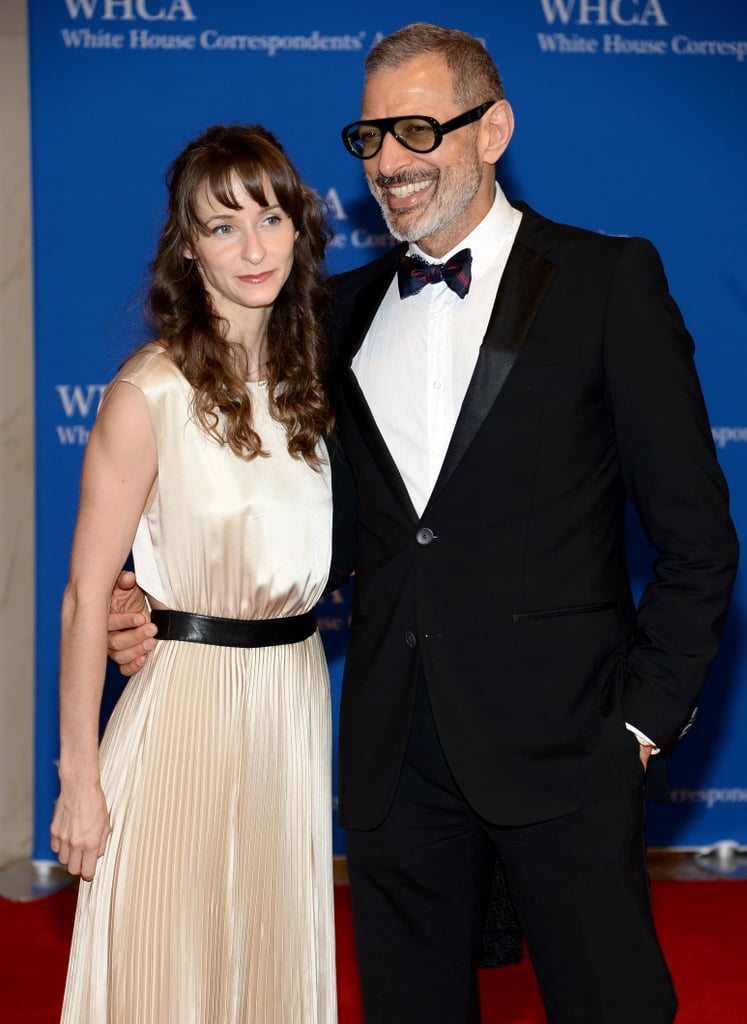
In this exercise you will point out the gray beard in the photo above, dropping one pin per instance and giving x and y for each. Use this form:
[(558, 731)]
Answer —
[(446, 212)]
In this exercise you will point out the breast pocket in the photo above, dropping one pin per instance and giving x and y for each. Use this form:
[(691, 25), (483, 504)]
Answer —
[(547, 353)]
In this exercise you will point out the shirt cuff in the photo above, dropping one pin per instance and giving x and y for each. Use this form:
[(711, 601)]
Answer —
[(643, 738)]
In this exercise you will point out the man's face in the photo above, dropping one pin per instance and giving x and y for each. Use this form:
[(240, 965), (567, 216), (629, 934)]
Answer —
[(437, 198)]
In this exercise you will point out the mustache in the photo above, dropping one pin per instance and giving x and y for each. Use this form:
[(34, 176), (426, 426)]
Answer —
[(405, 178)]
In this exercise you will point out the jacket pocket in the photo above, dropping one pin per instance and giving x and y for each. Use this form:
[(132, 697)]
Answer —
[(557, 613)]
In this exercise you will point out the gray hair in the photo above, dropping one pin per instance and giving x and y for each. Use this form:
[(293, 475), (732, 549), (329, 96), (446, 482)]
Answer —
[(474, 74)]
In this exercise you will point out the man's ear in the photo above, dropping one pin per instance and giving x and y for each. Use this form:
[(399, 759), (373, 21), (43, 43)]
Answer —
[(497, 127)]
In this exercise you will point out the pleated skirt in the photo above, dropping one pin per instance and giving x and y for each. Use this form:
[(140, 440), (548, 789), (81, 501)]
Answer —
[(213, 903)]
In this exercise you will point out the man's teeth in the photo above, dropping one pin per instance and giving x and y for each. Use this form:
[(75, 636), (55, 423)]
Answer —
[(407, 190)]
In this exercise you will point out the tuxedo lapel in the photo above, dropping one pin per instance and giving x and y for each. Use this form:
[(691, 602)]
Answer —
[(367, 301), (371, 434), (359, 299), (523, 285)]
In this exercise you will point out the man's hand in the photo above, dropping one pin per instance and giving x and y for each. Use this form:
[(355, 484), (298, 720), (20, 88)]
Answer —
[(644, 751), (131, 633)]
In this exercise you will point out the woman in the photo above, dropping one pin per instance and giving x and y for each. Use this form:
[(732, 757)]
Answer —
[(202, 828)]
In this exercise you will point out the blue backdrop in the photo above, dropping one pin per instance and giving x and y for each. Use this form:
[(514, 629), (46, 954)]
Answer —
[(630, 120)]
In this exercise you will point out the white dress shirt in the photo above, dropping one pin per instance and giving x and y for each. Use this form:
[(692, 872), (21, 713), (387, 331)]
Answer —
[(418, 356)]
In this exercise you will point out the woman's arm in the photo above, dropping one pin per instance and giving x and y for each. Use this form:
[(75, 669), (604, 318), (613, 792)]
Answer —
[(119, 469)]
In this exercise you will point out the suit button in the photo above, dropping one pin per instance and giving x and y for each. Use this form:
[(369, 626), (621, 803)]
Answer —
[(411, 639), (425, 536)]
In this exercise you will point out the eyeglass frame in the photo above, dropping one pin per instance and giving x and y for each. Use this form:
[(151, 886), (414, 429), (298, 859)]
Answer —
[(386, 124)]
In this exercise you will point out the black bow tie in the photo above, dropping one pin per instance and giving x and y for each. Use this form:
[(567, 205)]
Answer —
[(415, 273)]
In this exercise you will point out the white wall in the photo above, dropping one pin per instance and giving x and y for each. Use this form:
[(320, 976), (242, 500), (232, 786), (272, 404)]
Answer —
[(16, 444)]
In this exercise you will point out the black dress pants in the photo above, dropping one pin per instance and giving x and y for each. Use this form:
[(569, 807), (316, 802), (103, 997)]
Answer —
[(579, 885)]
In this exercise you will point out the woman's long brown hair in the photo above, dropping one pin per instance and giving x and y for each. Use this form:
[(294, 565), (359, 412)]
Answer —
[(181, 311)]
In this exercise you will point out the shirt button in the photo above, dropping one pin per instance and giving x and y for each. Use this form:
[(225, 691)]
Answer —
[(411, 639), (425, 536), (437, 385)]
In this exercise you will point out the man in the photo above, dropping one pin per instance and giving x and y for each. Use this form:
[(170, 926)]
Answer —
[(502, 693)]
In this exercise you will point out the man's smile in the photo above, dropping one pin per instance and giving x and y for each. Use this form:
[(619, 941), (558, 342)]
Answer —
[(404, 193), (400, 191)]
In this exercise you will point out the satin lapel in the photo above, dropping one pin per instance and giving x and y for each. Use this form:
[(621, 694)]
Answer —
[(523, 285), (367, 302)]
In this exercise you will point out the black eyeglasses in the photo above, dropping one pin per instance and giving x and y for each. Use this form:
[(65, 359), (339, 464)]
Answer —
[(415, 132)]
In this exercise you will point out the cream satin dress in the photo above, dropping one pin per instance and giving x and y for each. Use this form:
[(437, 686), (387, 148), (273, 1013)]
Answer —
[(213, 902)]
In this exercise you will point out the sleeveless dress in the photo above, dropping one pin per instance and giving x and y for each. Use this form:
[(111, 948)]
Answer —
[(213, 902)]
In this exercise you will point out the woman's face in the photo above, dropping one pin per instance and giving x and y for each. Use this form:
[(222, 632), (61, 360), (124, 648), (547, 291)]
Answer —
[(246, 255)]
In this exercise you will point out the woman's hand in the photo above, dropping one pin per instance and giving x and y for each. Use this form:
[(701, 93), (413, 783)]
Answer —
[(80, 829)]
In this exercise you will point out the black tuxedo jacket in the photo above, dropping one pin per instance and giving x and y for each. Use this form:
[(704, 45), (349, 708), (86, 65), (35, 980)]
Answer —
[(512, 590)]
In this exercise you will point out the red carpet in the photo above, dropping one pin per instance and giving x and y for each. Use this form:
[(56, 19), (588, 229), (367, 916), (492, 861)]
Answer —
[(702, 925)]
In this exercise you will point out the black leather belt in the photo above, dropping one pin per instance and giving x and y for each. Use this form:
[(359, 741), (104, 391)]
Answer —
[(209, 629)]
